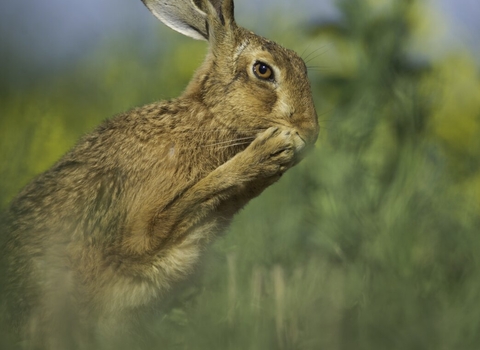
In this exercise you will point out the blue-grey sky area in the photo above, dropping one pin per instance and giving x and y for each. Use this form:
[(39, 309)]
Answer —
[(51, 32), (465, 16)]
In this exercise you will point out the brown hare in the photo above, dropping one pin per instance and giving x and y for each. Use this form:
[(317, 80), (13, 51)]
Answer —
[(124, 216)]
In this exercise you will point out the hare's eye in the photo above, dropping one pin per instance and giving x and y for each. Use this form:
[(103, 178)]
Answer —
[(263, 71)]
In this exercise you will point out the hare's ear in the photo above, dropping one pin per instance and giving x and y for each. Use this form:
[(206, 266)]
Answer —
[(195, 18), (184, 16), (220, 16), (224, 10)]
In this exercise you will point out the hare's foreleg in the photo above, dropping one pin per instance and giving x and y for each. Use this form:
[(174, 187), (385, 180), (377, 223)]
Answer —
[(229, 187)]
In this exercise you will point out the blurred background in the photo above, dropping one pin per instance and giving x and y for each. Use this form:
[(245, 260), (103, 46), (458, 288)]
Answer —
[(373, 242)]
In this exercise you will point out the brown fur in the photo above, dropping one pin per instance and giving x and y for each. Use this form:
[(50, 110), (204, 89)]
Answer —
[(126, 213)]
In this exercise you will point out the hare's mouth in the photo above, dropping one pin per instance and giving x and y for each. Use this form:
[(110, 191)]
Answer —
[(299, 143), (300, 147)]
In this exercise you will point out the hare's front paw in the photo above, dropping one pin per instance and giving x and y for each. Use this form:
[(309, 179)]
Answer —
[(272, 152)]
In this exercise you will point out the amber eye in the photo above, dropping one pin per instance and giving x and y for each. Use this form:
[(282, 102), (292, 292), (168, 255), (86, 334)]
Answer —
[(263, 71)]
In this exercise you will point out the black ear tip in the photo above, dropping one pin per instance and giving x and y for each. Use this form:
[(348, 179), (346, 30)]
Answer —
[(230, 8), (222, 18), (224, 10)]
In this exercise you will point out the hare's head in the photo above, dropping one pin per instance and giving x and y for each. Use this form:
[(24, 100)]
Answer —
[(252, 82)]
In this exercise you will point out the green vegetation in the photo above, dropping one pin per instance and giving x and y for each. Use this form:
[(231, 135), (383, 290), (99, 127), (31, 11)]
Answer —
[(371, 243)]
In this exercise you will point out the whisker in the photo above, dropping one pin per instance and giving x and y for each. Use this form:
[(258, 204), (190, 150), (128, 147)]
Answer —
[(313, 52), (235, 144), (182, 148), (196, 130), (304, 50), (274, 122), (326, 112), (317, 67), (322, 127), (230, 141), (310, 59), (315, 57), (323, 120)]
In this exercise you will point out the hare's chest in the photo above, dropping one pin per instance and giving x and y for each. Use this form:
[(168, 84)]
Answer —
[(167, 268), (137, 290), (178, 261)]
